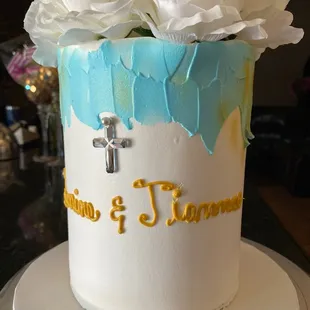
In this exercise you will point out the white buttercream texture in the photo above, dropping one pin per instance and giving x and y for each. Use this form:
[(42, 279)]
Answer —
[(263, 23), (182, 267)]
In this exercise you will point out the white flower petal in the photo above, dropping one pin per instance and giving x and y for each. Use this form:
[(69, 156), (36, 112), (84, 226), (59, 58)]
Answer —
[(168, 9), (53, 23), (46, 53), (258, 52), (120, 31), (277, 27), (39, 22), (254, 33), (261, 23), (238, 4), (77, 36), (239, 26), (204, 17), (121, 6), (177, 37), (213, 37), (77, 5)]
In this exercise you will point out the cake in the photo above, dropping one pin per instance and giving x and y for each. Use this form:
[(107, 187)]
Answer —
[(155, 133), (164, 228)]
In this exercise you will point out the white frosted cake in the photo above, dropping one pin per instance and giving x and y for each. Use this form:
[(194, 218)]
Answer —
[(155, 132), (155, 140)]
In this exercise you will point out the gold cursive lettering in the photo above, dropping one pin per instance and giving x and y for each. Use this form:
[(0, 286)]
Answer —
[(176, 194), (82, 208), (118, 207), (205, 208), (144, 218), (214, 209), (192, 214), (189, 214)]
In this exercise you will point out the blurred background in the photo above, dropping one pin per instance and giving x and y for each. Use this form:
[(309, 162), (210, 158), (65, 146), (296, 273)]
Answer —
[(277, 189)]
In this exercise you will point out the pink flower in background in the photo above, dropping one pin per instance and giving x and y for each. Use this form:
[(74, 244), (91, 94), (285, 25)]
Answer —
[(22, 65)]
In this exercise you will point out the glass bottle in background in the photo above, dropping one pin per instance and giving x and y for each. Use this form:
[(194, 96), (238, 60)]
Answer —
[(44, 113), (56, 132), (52, 133)]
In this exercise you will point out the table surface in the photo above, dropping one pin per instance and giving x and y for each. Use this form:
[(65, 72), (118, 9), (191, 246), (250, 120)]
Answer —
[(33, 219)]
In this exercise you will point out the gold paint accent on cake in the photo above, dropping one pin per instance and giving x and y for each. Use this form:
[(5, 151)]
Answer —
[(215, 209), (176, 194), (236, 139), (118, 207), (191, 213), (144, 219), (203, 207), (248, 92), (205, 210), (82, 208)]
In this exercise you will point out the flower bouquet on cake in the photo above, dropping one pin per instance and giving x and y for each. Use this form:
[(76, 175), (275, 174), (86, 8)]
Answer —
[(156, 99), (53, 24)]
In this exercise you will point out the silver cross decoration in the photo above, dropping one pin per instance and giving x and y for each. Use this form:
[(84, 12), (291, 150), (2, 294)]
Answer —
[(109, 143)]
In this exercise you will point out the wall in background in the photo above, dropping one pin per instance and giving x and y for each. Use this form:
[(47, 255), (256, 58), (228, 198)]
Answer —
[(11, 18), (276, 70)]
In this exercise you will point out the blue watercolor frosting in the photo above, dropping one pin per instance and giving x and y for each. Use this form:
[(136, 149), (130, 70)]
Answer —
[(154, 81)]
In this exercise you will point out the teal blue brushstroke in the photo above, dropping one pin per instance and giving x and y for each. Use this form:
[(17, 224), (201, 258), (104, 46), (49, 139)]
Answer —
[(184, 107), (153, 81), (145, 111)]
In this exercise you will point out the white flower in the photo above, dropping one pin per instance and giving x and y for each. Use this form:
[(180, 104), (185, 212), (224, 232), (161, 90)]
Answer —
[(186, 21), (277, 25), (54, 23), (262, 23), (77, 5)]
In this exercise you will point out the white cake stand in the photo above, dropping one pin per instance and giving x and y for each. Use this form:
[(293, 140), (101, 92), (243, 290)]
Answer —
[(263, 284)]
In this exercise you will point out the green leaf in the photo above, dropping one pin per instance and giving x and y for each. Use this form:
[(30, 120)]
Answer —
[(143, 32)]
